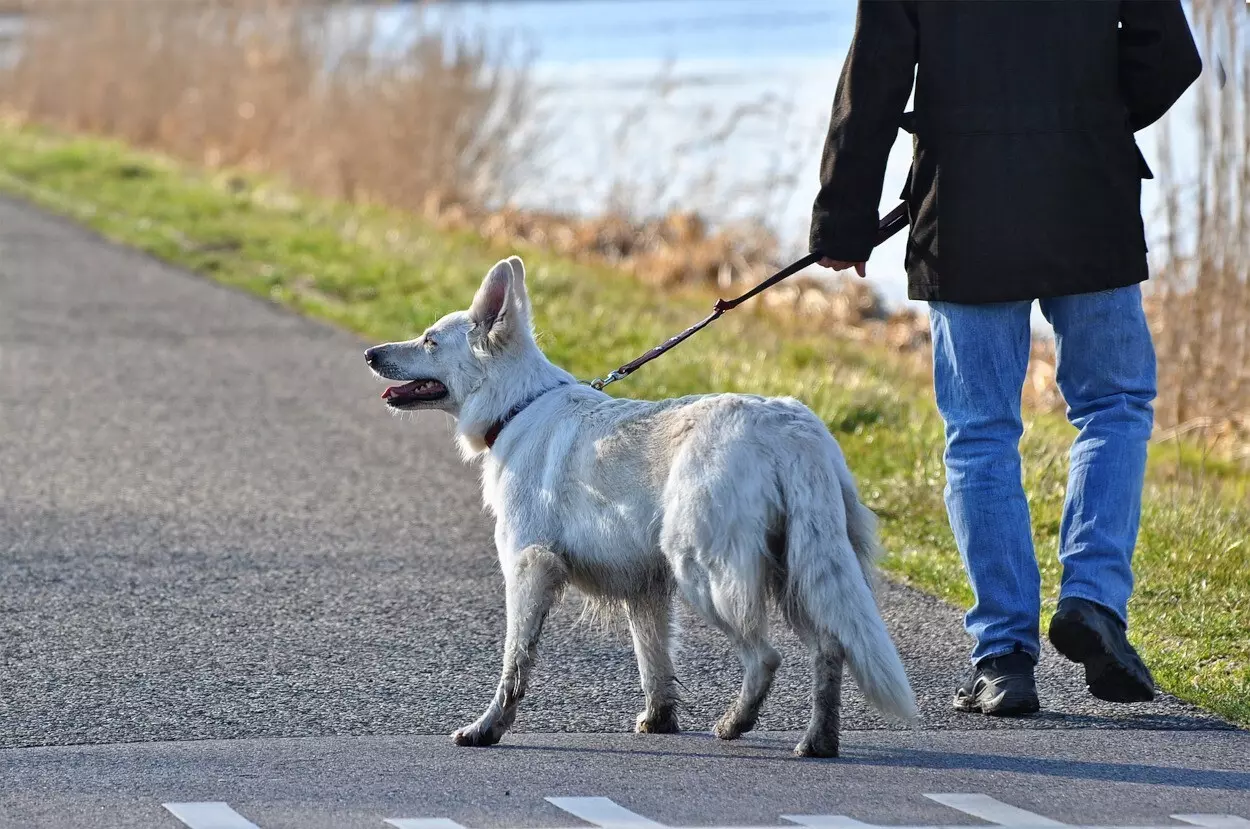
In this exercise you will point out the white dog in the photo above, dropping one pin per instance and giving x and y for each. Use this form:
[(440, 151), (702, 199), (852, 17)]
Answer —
[(732, 500)]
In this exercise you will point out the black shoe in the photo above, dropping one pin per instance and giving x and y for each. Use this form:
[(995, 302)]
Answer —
[(1001, 686), (1094, 636)]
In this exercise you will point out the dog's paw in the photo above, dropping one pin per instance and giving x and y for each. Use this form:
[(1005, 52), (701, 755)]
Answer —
[(817, 747), (476, 735), (652, 723), (731, 727)]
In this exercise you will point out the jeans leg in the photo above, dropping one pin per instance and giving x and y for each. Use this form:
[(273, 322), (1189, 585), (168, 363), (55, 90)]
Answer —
[(1106, 371), (980, 358)]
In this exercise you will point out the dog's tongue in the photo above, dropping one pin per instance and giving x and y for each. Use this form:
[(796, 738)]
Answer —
[(399, 391)]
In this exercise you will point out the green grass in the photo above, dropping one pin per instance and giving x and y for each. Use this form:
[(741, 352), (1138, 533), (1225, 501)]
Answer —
[(387, 275)]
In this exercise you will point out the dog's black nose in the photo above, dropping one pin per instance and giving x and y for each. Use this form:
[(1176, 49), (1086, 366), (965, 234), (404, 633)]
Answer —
[(371, 355)]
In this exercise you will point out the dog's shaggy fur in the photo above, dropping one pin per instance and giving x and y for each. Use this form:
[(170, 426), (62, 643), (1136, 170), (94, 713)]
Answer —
[(731, 500)]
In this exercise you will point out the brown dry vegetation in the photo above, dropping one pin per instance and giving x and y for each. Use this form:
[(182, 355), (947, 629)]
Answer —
[(271, 88), (451, 129), (1200, 308)]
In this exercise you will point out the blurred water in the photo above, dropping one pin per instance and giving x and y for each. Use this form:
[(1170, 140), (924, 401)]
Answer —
[(608, 31), (10, 28), (606, 61)]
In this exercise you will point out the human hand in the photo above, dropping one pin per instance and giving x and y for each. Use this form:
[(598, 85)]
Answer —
[(839, 265)]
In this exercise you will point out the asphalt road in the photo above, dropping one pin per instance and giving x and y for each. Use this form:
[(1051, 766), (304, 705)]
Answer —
[(212, 530)]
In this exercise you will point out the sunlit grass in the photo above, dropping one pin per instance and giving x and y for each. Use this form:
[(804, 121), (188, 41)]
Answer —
[(387, 275)]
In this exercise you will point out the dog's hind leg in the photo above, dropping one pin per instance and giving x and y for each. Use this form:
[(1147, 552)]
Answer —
[(759, 664), (534, 582), (821, 739), (744, 620), (650, 623), (828, 658)]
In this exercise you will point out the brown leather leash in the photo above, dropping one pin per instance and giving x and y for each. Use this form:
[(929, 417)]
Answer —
[(891, 223)]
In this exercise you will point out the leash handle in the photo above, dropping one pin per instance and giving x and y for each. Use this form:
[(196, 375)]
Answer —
[(891, 223)]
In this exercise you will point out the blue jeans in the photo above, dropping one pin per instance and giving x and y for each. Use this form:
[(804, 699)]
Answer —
[(1106, 371)]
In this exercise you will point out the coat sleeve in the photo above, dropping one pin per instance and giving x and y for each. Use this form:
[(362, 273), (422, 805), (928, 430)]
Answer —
[(1158, 58), (872, 93)]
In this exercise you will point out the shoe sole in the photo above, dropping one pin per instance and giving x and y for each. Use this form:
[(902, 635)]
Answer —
[(1004, 705), (1108, 677)]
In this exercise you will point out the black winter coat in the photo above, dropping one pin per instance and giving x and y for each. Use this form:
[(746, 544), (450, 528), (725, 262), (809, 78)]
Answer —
[(1026, 180)]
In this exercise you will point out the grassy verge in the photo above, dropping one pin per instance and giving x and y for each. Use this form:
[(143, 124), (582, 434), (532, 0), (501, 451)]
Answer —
[(386, 275)]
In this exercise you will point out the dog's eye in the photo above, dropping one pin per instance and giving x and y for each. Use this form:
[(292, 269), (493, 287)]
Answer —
[(430, 345)]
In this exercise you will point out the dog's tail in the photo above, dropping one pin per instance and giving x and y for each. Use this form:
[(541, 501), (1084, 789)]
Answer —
[(831, 568)]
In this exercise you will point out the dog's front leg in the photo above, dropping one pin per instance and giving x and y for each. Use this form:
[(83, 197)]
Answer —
[(650, 622), (534, 581)]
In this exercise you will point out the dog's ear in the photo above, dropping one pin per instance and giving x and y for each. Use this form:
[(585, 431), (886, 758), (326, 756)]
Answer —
[(499, 309), (519, 291)]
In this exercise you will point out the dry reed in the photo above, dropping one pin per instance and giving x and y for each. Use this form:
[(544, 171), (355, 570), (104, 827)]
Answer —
[(273, 87), (1200, 303)]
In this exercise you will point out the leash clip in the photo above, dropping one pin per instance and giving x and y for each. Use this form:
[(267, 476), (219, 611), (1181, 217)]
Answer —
[(598, 384)]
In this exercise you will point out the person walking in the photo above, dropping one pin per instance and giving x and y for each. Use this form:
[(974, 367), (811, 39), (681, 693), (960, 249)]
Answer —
[(1025, 185)]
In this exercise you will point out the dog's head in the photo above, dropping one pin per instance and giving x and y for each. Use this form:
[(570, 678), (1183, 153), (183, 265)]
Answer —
[(454, 357)]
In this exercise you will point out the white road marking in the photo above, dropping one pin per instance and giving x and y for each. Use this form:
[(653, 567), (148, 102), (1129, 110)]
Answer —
[(1214, 821), (602, 812), (994, 811), (826, 821), (606, 814), (209, 816)]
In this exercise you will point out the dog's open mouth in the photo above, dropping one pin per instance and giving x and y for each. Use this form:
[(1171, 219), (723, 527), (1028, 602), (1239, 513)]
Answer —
[(414, 393)]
